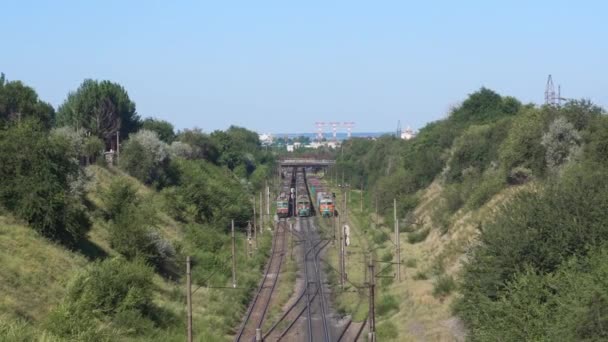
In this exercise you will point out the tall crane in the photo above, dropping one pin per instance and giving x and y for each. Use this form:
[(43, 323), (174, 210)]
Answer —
[(349, 128)]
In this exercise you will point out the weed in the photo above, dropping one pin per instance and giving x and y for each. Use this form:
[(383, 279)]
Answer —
[(444, 285), (418, 236)]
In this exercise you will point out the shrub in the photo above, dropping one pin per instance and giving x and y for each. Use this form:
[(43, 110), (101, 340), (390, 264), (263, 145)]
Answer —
[(35, 176), (387, 331), (386, 304), (561, 142), (145, 157), (420, 275), (443, 286), (519, 175), (104, 290), (380, 236), (491, 184), (418, 236), (119, 196), (411, 263)]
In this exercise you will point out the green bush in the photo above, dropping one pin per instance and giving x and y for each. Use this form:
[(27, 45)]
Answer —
[(443, 286), (524, 254), (380, 236), (418, 236), (420, 275), (120, 195), (112, 291), (386, 304), (491, 184), (386, 331), (35, 177)]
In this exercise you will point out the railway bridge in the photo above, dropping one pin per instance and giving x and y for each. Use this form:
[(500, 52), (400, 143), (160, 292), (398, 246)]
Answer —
[(306, 162)]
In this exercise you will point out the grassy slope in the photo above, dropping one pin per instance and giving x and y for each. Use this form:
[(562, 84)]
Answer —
[(420, 315), (35, 272)]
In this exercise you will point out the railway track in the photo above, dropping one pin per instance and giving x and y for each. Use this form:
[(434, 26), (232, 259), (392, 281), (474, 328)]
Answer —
[(259, 305)]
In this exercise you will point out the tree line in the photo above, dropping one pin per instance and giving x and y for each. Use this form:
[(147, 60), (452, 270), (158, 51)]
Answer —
[(201, 180), (535, 273)]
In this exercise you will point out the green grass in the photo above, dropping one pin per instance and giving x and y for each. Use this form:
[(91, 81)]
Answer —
[(443, 286), (418, 236), (35, 273)]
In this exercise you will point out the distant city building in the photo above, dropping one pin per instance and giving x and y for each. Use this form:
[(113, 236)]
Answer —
[(408, 134), (289, 148), (266, 138)]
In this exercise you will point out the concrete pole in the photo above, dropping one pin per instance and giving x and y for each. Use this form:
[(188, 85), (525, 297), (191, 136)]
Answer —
[(249, 247), (255, 229), (233, 256), (267, 199), (361, 202), (189, 299), (372, 309), (261, 214), (117, 146), (397, 240)]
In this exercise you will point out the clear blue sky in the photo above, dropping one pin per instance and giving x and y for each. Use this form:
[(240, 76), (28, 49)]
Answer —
[(279, 66)]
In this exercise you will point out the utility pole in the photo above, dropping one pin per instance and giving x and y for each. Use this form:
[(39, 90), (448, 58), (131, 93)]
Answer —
[(361, 202), (233, 257), (342, 271), (376, 208), (333, 226), (117, 146), (249, 249), (255, 229), (189, 299), (267, 199), (261, 214), (372, 310), (291, 238), (397, 242)]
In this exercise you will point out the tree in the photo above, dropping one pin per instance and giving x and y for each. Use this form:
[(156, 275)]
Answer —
[(163, 129), (561, 142), (145, 157), (19, 102), (100, 107), (36, 170), (203, 147)]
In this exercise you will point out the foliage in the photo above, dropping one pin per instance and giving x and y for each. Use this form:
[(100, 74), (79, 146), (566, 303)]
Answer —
[(19, 102), (531, 239), (202, 145), (522, 146), (35, 175), (418, 236), (146, 157), (113, 288), (561, 142), (163, 129), (206, 195), (101, 108), (386, 304), (443, 286)]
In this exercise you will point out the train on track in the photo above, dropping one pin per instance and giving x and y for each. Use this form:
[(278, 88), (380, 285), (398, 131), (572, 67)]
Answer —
[(324, 199), (303, 206), (302, 196), (285, 197)]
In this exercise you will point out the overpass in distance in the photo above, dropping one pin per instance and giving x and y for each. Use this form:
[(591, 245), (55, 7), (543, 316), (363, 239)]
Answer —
[(306, 162)]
